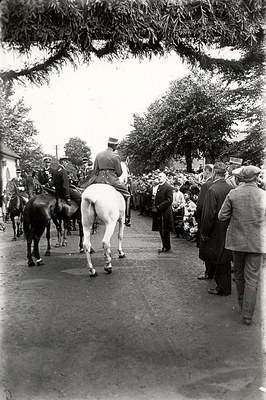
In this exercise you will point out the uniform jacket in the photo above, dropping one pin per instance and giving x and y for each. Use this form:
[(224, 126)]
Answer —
[(215, 230), (163, 201), (245, 207), (107, 169), (46, 176), (61, 182)]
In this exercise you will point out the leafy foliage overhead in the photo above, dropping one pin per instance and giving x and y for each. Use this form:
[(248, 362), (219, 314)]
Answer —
[(74, 30)]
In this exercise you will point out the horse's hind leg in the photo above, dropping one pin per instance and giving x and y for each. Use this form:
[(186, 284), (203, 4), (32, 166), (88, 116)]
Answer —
[(36, 241), (31, 263), (121, 253), (87, 213), (109, 230), (48, 236)]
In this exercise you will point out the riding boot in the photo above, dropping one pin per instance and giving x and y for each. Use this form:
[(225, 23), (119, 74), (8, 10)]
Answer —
[(128, 212)]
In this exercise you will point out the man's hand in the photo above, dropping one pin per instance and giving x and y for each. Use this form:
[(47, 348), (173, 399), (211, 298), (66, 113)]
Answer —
[(68, 202), (204, 238), (154, 210)]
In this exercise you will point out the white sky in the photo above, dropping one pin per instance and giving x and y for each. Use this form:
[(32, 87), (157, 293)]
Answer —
[(96, 101)]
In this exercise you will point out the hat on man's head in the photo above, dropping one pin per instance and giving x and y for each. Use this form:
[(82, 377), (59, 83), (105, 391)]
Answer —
[(247, 173), (47, 159), (63, 158), (112, 140), (85, 159), (220, 168), (18, 170)]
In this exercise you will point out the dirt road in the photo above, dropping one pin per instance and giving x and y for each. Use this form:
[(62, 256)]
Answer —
[(147, 331)]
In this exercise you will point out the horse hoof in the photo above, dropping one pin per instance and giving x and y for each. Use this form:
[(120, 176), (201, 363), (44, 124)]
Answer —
[(81, 250), (64, 244), (58, 245), (40, 263), (93, 274), (108, 270), (14, 239), (121, 254), (92, 251), (47, 253), (31, 264)]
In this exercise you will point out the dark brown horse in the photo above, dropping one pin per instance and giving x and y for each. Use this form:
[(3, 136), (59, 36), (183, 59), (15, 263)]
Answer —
[(38, 213), (15, 210)]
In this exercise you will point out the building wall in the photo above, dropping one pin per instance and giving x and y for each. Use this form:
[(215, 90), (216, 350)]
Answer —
[(8, 169)]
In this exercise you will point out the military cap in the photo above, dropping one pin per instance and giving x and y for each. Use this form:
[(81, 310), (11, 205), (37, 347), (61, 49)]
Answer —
[(47, 159), (85, 159), (18, 170)]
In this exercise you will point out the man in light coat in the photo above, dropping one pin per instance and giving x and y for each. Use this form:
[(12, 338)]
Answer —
[(245, 207)]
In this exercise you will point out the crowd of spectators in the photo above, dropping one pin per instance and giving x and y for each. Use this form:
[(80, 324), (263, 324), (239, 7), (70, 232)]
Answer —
[(186, 188)]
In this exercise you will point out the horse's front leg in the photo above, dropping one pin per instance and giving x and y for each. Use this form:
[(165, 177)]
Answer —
[(48, 236), (14, 228), (58, 225), (121, 226), (65, 229)]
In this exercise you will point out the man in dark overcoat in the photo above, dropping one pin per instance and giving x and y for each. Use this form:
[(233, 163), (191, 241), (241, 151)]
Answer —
[(213, 232), (207, 175), (162, 216)]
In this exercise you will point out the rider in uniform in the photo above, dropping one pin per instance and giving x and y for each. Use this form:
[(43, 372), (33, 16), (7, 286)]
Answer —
[(107, 169), (45, 175), (21, 186)]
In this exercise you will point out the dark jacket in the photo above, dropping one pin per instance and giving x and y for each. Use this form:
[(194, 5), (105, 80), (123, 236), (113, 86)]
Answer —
[(163, 219), (201, 198), (214, 231), (61, 182)]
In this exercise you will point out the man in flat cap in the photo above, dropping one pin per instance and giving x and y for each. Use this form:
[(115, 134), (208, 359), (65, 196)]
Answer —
[(107, 169), (212, 235), (245, 208)]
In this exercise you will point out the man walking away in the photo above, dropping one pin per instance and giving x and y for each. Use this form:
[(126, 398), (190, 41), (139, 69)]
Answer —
[(213, 232), (245, 208)]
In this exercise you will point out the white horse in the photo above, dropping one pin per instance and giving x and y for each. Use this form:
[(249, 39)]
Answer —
[(105, 202)]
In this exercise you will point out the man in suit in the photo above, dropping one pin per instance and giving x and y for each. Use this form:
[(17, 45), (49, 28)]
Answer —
[(245, 208), (107, 169), (212, 235), (61, 182), (162, 212), (207, 176)]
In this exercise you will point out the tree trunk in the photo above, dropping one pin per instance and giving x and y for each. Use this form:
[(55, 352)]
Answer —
[(189, 161)]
